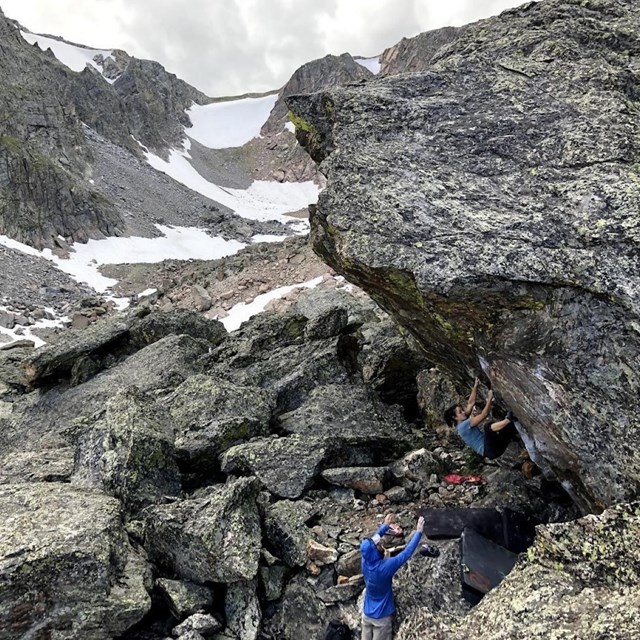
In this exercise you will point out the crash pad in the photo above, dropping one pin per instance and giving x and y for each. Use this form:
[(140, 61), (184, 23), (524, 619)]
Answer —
[(510, 529), (484, 565), (450, 522)]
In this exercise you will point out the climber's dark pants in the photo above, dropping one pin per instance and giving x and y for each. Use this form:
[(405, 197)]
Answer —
[(496, 442)]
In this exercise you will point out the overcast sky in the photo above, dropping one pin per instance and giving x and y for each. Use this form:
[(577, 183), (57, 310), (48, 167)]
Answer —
[(229, 47)]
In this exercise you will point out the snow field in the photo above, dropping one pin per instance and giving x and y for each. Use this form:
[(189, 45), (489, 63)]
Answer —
[(179, 243), (263, 200), (373, 64), (72, 56), (232, 123)]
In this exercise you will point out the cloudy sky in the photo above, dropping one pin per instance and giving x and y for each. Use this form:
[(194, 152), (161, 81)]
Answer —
[(229, 47)]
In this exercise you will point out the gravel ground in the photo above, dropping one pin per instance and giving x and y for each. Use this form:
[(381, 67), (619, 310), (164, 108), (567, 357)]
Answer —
[(257, 269), (31, 282)]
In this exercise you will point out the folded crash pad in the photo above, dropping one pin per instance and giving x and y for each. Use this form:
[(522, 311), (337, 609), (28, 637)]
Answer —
[(450, 522), (510, 529), (484, 565)]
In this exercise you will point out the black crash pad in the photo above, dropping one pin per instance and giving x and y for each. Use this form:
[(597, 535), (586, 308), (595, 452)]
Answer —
[(451, 522), (518, 530), (510, 529), (484, 565)]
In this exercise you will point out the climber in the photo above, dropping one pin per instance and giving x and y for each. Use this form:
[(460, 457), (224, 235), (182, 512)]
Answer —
[(378, 571), (490, 442)]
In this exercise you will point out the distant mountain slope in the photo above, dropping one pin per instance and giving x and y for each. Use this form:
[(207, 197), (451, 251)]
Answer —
[(54, 190), (44, 187), (415, 54), (313, 76), (95, 143)]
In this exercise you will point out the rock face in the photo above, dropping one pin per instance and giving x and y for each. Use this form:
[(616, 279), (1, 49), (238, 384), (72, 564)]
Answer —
[(490, 205), (286, 466), (185, 598), (42, 149), (358, 428), (291, 162), (66, 566), (130, 452), (212, 538), (286, 530), (211, 416), (415, 54), (155, 102), (323, 73)]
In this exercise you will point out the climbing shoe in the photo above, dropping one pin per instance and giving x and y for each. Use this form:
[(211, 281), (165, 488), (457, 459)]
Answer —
[(530, 469), (428, 551)]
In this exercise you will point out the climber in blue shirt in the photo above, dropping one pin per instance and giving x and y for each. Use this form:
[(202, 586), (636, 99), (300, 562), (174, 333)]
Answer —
[(378, 571), (490, 442)]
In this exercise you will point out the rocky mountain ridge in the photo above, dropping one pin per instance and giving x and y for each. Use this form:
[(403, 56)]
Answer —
[(316, 75), (50, 160), (55, 117), (45, 188), (415, 54)]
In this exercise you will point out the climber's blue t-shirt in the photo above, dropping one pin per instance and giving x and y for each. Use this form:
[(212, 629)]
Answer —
[(473, 436)]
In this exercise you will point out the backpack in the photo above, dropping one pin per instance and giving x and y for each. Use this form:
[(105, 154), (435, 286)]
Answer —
[(337, 630)]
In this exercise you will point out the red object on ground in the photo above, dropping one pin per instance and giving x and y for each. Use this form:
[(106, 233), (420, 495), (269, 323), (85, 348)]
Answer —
[(454, 478)]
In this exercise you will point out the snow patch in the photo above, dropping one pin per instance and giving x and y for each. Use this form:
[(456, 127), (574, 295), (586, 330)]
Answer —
[(241, 312), (72, 56), (260, 237), (44, 323), (263, 200), (373, 64), (178, 243), (232, 123)]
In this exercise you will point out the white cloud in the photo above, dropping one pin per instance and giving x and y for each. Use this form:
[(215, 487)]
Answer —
[(236, 46)]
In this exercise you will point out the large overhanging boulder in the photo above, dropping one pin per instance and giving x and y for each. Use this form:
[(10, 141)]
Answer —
[(490, 204)]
